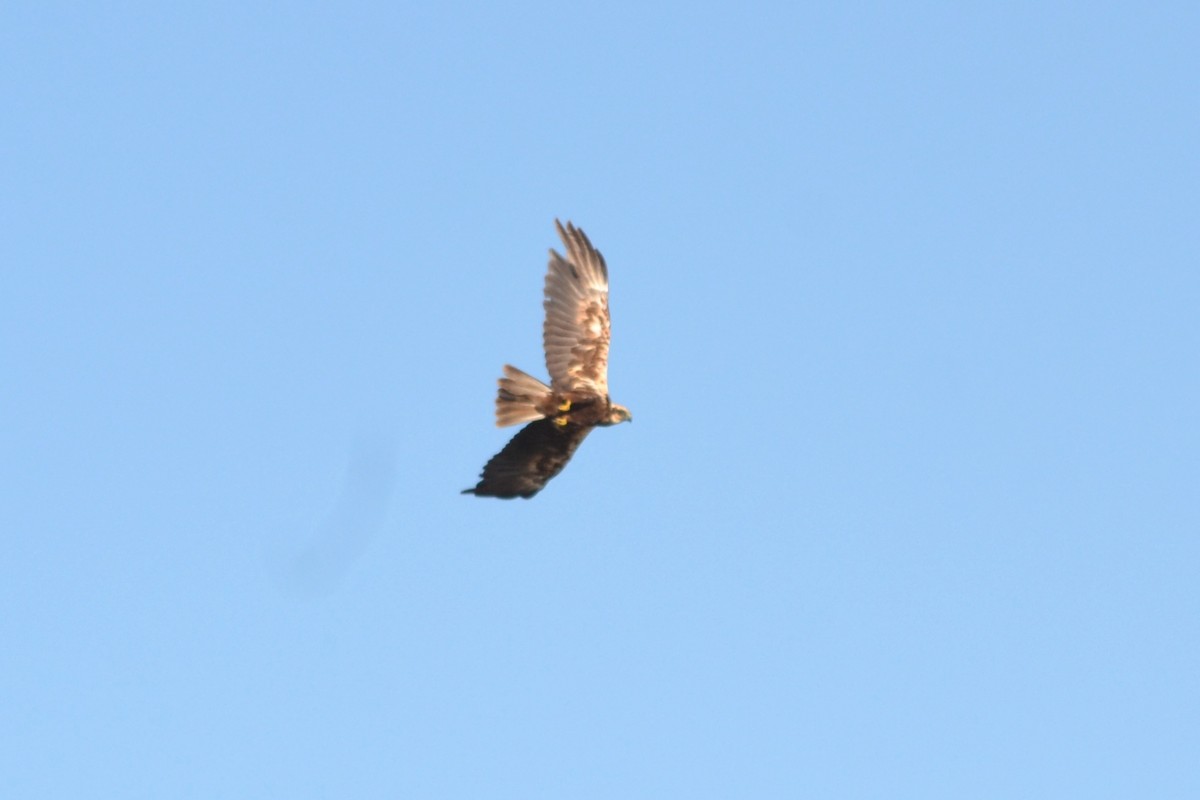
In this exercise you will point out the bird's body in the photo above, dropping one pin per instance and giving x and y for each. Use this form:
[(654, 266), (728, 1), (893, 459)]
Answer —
[(575, 337)]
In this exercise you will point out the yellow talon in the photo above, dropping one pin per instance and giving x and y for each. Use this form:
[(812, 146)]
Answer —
[(561, 421), (565, 405)]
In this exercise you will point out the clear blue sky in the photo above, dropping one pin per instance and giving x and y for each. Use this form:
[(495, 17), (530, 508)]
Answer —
[(906, 304)]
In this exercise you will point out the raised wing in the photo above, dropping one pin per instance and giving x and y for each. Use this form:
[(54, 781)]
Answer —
[(536, 454), (576, 330)]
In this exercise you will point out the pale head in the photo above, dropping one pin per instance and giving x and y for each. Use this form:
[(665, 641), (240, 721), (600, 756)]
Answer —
[(617, 414)]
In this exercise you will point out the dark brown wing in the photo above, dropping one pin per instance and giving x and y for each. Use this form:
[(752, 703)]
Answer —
[(531, 458)]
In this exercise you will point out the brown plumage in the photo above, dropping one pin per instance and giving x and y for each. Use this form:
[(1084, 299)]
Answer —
[(575, 336)]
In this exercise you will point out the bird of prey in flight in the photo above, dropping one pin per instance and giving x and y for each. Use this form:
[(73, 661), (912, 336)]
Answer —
[(575, 336)]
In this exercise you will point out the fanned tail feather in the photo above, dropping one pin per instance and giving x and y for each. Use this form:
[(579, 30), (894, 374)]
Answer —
[(521, 398)]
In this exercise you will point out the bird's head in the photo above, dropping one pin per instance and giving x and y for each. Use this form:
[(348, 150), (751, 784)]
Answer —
[(618, 414)]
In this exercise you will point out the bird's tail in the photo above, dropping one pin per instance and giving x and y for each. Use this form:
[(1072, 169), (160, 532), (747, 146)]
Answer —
[(521, 398)]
